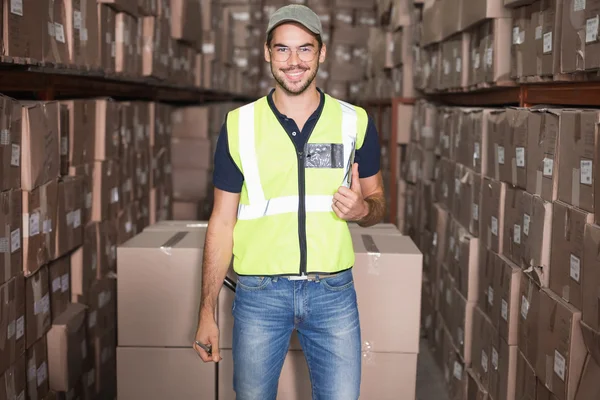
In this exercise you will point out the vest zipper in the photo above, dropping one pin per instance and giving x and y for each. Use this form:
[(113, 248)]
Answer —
[(302, 212)]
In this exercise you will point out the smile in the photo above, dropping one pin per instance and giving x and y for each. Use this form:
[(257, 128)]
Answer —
[(294, 75)]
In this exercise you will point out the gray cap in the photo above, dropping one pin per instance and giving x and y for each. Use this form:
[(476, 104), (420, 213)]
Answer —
[(296, 13)]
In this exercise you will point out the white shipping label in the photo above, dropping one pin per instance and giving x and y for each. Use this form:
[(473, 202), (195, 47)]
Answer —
[(538, 32), (446, 67), (491, 295), (489, 57), (575, 268), (520, 153), (475, 212), (458, 64), (547, 42), (524, 307), (579, 5), (77, 19), (208, 48), (77, 218), (34, 224), (495, 358), (476, 60), (456, 185), (526, 221), (586, 172), (56, 285), (20, 327), (42, 373), (517, 234), (47, 226), (59, 30), (434, 239), (113, 49), (83, 35), (494, 226), (12, 329), (476, 152), (128, 226), (560, 365), (500, 155), (15, 240), (16, 7), (64, 146), (449, 296), (591, 29), (15, 155), (46, 304), (64, 283), (88, 200), (515, 35), (458, 370), (92, 319), (504, 310), (484, 361), (114, 195), (548, 167)]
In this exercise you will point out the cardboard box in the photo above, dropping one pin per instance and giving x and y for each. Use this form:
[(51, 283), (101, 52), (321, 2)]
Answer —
[(101, 306), (155, 58), (107, 129), (191, 184), (490, 268), (590, 277), (107, 40), (501, 151), (529, 314), (84, 264), (191, 153), (67, 348), (508, 286), (37, 369), (11, 218), (40, 155), (546, 24), (526, 379), (432, 23), (537, 236), (82, 32), (493, 195), (490, 49), (474, 11), (481, 347), (522, 42), (13, 382), (86, 172), (164, 372), (462, 335), (579, 48), (467, 251), (10, 145), (578, 162), (567, 252), (38, 315), (191, 122), (105, 192), (22, 24), (561, 345), (455, 372), (13, 322), (59, 277), (503, 379), (55, 38), (39, 212), (542, 170), (104, 350), (588, 387), (513, 224), (69, 228), (480, 141), (126, 53)]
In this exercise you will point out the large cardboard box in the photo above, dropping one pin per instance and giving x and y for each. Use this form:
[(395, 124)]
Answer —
[(10, 145), (546, 27), (13, 322), (490, 49), (503, 364), (106, 191), (560, 346), (542, 166), (568, 229), (23, 22), (481, 347), (489, 273), (513, 224), (11, 218), (69, 228), (590, 277), (191, 153), (537, 237), (480, 141), (526, 379), (54, 40), (493, 195), (13, 382), (529, 313), (508, 286), (191, 122), (588, 387), (37, 370), (59, 276), (67, 348), (38, 314), (101, 306), (578, 160), (107, 39), (104, 350), (164, 372), (84, 264), (474, 11), (522, 42), (579, 42), (82, 33)]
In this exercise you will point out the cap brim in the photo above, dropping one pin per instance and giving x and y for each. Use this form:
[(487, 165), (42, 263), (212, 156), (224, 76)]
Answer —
[(283, 21)]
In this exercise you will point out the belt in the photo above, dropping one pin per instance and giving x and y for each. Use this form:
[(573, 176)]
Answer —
[(314, 277)]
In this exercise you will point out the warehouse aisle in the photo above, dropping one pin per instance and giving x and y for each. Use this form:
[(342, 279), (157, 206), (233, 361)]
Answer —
[(430, 379)]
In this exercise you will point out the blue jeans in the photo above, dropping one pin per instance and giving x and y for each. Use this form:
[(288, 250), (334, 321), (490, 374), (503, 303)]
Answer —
[(325, 314)]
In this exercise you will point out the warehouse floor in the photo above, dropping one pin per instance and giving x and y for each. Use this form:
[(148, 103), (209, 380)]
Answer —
[(430, 380)]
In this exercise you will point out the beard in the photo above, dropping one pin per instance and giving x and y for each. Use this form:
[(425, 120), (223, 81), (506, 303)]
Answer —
[(279, 76)]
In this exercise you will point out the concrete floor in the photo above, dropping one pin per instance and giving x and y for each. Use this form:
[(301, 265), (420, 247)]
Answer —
[(430, 380)]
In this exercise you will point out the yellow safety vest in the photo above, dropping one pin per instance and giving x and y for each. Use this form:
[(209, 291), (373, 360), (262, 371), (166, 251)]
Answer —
[(285, 224)]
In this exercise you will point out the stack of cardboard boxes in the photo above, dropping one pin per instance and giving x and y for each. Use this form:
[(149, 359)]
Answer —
[(512, 242), (78, 181), (159, 359)]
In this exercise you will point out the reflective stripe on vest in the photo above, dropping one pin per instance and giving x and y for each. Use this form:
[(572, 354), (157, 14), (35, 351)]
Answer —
[(260, 207)]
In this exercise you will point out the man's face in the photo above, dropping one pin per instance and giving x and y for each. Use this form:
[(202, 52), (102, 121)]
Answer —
[(294, 57)]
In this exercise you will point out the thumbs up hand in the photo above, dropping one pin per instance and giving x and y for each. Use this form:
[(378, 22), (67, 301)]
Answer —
[(349, 204)]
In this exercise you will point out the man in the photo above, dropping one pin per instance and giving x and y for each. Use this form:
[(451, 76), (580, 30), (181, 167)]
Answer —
[(287, 182)]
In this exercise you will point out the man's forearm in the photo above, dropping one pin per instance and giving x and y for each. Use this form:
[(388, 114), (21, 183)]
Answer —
[(217, 257), (376, 206)]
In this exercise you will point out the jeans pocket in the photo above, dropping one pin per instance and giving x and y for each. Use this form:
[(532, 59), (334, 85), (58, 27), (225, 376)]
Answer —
[(341, 281), (253, 282)]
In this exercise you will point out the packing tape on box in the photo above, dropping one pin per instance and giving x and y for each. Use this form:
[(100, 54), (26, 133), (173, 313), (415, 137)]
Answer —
[(373, 253), (173, 240)]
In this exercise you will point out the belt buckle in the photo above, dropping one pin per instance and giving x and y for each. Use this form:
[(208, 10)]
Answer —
[(298, 278)]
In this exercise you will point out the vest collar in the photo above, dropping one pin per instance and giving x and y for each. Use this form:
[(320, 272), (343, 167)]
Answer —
[(281, 116)]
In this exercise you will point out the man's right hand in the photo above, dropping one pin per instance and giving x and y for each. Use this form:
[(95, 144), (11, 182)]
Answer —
[(208, 334)]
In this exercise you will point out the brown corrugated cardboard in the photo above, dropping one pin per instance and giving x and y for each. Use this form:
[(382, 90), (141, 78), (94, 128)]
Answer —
[(10, 147), (467, 250), (588, 387), (191, 184), (455, 372), (475, 390), (493, 195), (37, 369), (503, 369), (562, 353), (84, 264), (577, 141), (479, 140), (432, 22), (500, 151), (128, 6), (126, 32), (529, 311), (104, 348), (513, 224), (107, 125), (82, 31), (55, 39), (155, 57), (542, 166), (191, 122), (481, 347), (40, 155), (60, 279), (25, 24), (13, 323), (579, 50), (537, 237), (526, 380), (517, 3), (13, 383), (591, 338), (39, 236), (462, 334), (106, 32), (164, 372), (191, 153), (105, 203), (69, 228), (126, 223), (38, 315), (567, 252), (490, 269), (101, 304), (508, 286), (522, 42), (474, 11), (393, 251), (11, 219), (67, 348), (590, 276), (86, 172)]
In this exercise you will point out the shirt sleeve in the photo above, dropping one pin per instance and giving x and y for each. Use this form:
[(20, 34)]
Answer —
[(226, 174), (368, 156)]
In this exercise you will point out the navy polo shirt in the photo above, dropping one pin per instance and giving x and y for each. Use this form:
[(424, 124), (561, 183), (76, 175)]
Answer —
[(228, 177)]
